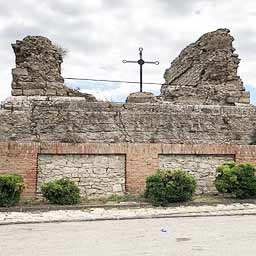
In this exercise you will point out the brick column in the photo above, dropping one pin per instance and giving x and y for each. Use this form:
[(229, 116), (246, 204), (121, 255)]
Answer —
[(21, 159), (142, 161)]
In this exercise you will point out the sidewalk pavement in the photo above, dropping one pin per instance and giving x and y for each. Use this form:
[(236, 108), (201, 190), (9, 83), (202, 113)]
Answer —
[(100, 214)]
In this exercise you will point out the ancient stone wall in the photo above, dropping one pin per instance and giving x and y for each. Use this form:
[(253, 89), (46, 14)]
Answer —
[(202, 167), (205, 72), (96, 175), (75, 120), (47, 114)]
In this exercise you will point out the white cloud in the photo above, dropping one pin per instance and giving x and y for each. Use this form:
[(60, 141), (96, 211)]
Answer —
[(100, 33)]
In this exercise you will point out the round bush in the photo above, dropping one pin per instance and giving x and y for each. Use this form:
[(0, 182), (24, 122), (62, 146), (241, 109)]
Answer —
[(236, 179), (62, 191), (167, 186), (11, 187)]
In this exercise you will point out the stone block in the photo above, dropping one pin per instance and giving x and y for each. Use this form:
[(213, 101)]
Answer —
[(50, 92), (17, 92), (16, 85), (55, 85), (244, 100), (117, 188), (232, 99), (141, 97), (33, 92), (19, 72), (61, 92), (31, 85)]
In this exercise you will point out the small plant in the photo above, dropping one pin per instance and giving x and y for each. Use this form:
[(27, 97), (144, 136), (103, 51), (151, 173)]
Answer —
[(168, 186), (11, 187), (61, 51), (236, 179), (62, 191)]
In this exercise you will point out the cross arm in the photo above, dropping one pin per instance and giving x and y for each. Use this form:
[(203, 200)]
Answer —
[(152, 62), (129, 61)]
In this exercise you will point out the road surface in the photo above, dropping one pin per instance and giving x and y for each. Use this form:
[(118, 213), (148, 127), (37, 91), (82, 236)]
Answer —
[(215, 236)]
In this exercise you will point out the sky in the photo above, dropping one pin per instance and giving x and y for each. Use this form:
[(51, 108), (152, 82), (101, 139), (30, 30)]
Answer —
[(99, 34)]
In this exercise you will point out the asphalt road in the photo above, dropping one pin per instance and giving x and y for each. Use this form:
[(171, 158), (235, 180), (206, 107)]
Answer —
[(176, 236)]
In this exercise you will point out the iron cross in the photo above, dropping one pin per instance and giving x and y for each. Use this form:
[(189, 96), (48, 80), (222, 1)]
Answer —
[(141, 62)]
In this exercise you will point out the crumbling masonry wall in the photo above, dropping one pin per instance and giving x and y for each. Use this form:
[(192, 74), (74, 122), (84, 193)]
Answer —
[(207, 104), (38, 69), (205, 72)]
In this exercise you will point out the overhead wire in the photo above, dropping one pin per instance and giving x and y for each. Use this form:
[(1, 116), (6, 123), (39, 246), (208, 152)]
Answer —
[(110, 81), (119, 81)]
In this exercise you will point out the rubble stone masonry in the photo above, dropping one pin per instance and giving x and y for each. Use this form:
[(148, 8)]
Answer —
[(96, 175), (38, 69), (205, 72), (202, 101), (71, 119), (202, 167)]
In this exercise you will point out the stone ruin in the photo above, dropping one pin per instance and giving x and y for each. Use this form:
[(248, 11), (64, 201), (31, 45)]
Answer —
[(50, 131), (38, 69), (202, 101), (205, 72)]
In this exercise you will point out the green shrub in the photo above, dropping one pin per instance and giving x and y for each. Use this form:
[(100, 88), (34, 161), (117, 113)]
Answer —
[(236, 179), (62, 191), (11, 187), (167, 186)]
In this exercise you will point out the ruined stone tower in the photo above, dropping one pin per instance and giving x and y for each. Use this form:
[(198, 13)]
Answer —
[(38, 70), (205, 72)]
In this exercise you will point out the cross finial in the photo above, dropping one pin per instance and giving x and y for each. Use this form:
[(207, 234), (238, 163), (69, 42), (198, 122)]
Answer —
[(141, 62)]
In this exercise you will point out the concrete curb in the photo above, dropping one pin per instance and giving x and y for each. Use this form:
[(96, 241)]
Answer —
[(121, 205), (219, 213)]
